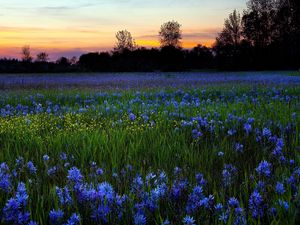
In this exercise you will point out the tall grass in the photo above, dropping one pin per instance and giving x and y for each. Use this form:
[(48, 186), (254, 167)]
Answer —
[(97, 127)]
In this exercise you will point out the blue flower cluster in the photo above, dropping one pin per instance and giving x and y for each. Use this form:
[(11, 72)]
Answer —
[(176, 199)]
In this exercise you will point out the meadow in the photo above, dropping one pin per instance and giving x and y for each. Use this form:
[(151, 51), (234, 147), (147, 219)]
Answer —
[(182, 153)]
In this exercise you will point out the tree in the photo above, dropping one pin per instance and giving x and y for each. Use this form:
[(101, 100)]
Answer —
[(124, 41), (258, 22), (228, 45), (26, 54), (73, 60), (42, 57), (170, 34), (63, 61), (232, 31)]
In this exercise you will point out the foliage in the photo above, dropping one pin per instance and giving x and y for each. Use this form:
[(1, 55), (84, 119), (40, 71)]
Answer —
[(170, 34)]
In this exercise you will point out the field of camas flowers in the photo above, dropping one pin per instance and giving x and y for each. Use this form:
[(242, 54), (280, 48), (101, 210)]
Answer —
[(209, 155)]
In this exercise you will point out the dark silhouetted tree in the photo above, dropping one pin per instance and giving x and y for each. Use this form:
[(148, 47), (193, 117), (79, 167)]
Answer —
[(258, 22), (73, 60), (170, 34), (232, 31), (42, 57), (124, 41), (26, 54), (63, 61), (200, 57), (230, 43)]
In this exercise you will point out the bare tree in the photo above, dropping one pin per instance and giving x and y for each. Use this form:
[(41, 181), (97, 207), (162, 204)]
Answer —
[(170, 34), (124, 41), (26, 54), (42, 57)]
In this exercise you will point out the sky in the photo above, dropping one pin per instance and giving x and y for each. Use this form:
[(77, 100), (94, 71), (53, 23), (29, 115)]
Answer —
[(73, 27)]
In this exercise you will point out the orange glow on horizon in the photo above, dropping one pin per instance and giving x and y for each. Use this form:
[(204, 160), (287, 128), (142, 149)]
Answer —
[(72, 41)]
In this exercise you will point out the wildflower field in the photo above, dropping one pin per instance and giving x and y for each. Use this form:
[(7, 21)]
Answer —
[(220, 154)]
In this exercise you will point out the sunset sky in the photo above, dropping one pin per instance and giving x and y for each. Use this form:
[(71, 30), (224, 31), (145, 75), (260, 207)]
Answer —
[(73, 27)]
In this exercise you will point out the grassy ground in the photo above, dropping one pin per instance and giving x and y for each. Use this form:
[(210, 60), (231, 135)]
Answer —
[(156, 130)]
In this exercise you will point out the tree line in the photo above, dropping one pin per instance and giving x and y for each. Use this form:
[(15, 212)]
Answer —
[(265, 36)]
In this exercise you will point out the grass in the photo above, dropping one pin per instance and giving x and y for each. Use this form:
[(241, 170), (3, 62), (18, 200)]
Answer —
[(96, 127)]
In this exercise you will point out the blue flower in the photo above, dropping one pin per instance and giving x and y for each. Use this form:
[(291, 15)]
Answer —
[(15, 209), (220, 154), (188, 220), (178, 189), (132, 117), (139, 219), (51, 171), (280, 188), (46, 158), (224, 217), (256, 205), (200, 179), (283, 204), (278, 149), (99, 172), (239, 147), (264, 169), (196, 134), (166, 222), (247, 128), (64, 196), (228, 174), (73, 220), (272, 211), (218, 207), (5, 182), (30, 166), (194, 199), (231, 132), (56, 216), (63, 156), (266, 132), (233, 202), (74, 175)]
